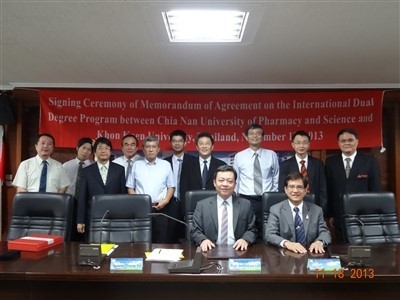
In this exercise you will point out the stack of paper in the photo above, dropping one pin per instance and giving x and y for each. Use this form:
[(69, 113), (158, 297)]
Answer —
[(165, 255)]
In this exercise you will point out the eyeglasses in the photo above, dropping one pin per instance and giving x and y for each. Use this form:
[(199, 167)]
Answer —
[(293, 187), (301, 143), (344, 141)]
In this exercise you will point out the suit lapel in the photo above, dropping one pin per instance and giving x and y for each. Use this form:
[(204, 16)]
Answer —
[(289, 217), (214, 212), (306, 217), (97, 175), (235, 212)]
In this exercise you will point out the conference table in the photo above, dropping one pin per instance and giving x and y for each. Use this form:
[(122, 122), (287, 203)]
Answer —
[(55, 274)]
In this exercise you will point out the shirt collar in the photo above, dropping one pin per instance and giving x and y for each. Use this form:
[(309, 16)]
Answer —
[(298, 159), (300, 206), (351, 156), (220, 200)]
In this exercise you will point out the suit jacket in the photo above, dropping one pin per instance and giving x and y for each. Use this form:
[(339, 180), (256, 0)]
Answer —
[(188, 161), (364, 177), (280, 224), (191, 175), (205, 220), (92, 184), (316, 179)]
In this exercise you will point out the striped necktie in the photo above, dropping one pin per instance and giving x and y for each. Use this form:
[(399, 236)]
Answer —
[(224, 223), (299, 227)]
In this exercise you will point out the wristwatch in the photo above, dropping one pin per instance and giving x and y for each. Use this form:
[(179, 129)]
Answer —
[(323, 243)]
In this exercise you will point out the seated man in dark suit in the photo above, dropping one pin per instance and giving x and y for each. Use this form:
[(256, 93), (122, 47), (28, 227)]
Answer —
[(224, 218), (296, 224)]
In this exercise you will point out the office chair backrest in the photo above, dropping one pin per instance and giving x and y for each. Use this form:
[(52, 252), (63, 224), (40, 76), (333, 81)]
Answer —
[(271, 198), (191, 199), (378, 215), (41, 213), (127, 219)]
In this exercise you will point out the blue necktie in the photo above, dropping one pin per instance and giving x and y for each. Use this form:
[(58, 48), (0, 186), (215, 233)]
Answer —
[(204, 175), (299, 227), (43, 177)]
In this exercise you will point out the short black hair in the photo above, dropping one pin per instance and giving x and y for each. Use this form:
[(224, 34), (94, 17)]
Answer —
[(349, 131), (48, 135), (102, 140), (253, 126), (301, 133), (225, 168), (177, 132), (129, 135), (296, 176), (85, 140), (204, 134)]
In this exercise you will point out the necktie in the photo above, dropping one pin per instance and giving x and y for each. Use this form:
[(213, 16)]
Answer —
[(347, 168), (204, 175), (299, 226), (78, 179), (257, 176), (43, 177), (103, 172), (224, 223), (303, 171), (129, 168), (178, 178)]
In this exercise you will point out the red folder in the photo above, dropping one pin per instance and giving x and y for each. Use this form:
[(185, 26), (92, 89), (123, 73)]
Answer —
[(35, 242)]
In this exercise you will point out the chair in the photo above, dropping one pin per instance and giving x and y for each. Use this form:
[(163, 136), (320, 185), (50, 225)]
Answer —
[(272, 198), (127, 219), (41, 213), (191, 199), (370, 218)]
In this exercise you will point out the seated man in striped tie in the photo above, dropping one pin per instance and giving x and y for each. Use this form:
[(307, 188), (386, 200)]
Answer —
[(224, 218), (295, 224)]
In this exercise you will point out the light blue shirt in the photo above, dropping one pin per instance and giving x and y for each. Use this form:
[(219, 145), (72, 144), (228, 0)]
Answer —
[(151, 178), (244, 165)]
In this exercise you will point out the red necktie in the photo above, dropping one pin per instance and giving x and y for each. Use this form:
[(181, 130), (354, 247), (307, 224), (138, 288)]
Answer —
[(303, 171)]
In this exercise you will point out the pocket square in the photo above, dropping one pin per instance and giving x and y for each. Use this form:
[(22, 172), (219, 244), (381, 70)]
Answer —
[(361, 176)]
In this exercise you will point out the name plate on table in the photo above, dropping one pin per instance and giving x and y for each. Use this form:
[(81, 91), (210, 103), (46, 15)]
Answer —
[(327, 264), (126, 264), (244, 264)]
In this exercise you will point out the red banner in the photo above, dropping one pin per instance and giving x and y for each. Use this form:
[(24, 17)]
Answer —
[(69, 115)]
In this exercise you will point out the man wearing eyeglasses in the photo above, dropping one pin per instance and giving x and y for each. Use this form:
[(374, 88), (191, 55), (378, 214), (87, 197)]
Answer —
[(348, 172), (310, 167), (295, 224)]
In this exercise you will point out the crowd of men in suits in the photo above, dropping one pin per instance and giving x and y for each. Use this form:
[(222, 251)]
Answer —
[(239, 188)]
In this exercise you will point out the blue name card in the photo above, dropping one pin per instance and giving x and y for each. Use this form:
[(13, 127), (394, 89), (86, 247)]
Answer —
[(327, 264), (244, 264), (126, 264)]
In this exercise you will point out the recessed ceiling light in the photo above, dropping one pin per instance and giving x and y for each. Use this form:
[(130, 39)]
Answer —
[(205, 26)]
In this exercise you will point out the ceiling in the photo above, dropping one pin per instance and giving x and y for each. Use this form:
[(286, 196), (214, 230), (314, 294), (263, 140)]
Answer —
[(123, 44)]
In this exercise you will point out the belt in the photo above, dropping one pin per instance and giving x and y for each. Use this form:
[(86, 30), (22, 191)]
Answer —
[(251, 197)]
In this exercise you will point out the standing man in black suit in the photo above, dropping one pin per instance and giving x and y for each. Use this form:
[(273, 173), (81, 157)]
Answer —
[(199, 175), (102, 177), (175, 208), (348, 172), (224, 218), (310, 167)]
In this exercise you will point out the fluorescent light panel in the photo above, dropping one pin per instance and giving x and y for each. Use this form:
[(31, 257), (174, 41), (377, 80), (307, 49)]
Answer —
[(205, 26)]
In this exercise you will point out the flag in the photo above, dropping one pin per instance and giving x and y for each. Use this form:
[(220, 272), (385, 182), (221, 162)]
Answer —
[(2, 155)]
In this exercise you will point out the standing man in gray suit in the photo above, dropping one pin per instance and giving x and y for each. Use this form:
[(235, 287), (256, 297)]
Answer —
[(295, 224), (224, 218)]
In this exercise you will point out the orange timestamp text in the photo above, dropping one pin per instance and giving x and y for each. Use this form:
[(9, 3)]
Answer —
[(356, 273)]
